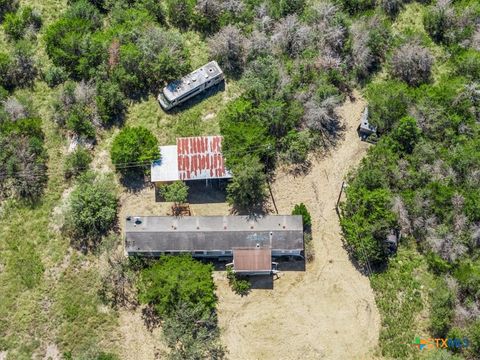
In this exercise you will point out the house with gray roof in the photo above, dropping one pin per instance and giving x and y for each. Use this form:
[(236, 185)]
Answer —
[(216, 237)]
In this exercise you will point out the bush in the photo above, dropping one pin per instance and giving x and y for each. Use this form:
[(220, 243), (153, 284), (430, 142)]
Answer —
[(23, 169), (241, 286), (177, 280), (406, 134), (55, 76), (388, 103), (176, 192), (228, 48), (180, 12), (441, 315), (92, 211), (356, 6), (392, 7), (77, 162), (248, 188), (301, 209), (192, 333), (412, 63), (7, 6), (110, 102), (474, 338), (309, 247), (133, 150), (366, 221), (68, 41), (16, 24)]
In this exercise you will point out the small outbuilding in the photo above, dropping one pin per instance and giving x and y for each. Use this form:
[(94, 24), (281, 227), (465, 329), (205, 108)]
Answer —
[(365, 129)]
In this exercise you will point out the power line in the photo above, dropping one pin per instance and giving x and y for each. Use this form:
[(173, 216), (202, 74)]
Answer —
[(40, 172)]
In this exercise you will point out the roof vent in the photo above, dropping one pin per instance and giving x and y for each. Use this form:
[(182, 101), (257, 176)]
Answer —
[(206, 76), (258, 245), (138, 221), (210, 69), (129, 218)]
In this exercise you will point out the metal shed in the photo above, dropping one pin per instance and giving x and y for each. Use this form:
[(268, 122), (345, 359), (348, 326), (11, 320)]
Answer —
[(192, 158)]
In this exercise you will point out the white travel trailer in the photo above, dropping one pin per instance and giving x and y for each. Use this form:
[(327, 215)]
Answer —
[(190, 85)]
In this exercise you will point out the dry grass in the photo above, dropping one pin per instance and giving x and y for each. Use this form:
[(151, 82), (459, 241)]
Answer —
[(327, 312)]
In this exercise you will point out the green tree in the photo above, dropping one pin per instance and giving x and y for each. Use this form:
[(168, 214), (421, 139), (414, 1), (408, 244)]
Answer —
[(77, 162), (407, 134), (133, 149), (180, 12), (16, 24), (366, 221), (248, 188), (92, 210), (388, 103), (301, 209), (175, 280), (69, 42), (177, 192), (110, 102)]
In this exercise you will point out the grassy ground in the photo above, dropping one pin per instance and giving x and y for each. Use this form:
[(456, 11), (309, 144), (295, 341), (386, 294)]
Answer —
[(49, 292), (402, 291)]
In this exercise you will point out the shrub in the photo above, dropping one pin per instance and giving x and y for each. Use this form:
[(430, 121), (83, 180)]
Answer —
[(388, 103), (69, 43), (192, 333), (92, 211), (181, 13), (16, 24), (406, 134), (177, 192), (356, 6), (412, 63), (175, 280), (83, 106), (240, 285), (248, 189), (442, 304), (309, 247), (392, 7), (474, 338), (7, 6), (228, 47), (23, 170), (366, 221), (55, 76), (110, 102), (301, 209), (133, 150), (77, 162)]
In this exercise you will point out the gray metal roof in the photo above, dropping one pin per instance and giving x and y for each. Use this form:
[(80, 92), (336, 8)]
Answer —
[(212, 233), (191, 81)]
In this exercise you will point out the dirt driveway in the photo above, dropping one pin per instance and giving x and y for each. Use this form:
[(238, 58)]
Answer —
[(327, 312)]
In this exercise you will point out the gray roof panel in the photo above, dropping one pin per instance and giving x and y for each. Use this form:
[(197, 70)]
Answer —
[(210, 233)]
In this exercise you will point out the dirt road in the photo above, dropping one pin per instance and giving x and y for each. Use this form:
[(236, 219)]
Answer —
[(327, 312)]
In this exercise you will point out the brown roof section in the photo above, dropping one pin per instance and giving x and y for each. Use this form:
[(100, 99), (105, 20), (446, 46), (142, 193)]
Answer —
[(252, 259), (201, 158)]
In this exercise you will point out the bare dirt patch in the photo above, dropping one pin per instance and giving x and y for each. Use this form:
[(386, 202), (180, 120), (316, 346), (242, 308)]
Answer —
[(327, 312)]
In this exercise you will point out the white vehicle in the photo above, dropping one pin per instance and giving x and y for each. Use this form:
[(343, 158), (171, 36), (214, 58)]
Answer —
[(190, 85)]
